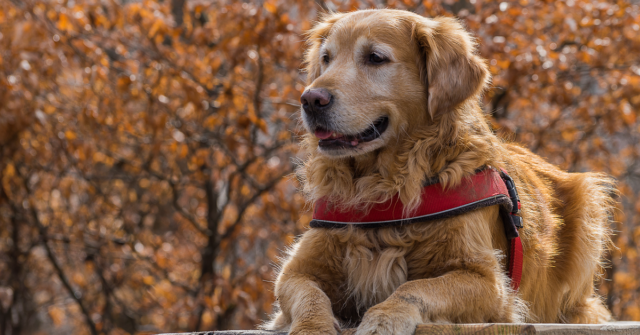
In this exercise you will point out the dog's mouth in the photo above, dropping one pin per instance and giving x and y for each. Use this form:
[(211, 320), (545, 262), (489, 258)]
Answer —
[(330, 139)]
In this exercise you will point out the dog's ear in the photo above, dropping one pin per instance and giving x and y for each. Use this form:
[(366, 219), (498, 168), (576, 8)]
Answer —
[(449, 67), (315, 38)]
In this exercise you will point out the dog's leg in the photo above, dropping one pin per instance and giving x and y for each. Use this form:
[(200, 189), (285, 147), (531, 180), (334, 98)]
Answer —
[(305, 305), (458, 296), (306, 282), (590, 310)]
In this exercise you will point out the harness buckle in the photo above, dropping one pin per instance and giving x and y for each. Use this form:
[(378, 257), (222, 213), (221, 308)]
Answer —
[(517, 220)]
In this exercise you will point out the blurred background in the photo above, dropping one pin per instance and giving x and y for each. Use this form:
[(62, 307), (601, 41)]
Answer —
[(146, 147)]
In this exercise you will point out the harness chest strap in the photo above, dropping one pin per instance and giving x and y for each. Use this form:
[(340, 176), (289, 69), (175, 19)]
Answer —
[(488, 187)]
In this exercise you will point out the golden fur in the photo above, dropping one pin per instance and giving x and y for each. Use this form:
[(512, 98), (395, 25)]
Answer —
[(387, 280)]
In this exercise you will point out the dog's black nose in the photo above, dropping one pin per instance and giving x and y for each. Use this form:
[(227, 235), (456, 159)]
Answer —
[(316, 100)]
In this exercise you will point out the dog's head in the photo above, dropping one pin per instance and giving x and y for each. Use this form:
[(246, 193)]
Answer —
[(377, 75)]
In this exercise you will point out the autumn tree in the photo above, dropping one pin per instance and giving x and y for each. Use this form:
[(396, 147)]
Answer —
[(144, 180)]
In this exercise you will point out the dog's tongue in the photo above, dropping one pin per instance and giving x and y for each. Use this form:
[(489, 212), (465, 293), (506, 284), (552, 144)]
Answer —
[(323, 134)]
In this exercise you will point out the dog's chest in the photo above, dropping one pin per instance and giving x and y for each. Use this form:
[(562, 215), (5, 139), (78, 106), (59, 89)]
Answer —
[(373, 274)]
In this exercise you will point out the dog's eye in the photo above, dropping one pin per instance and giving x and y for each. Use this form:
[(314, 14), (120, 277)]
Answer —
[(326, 58), (375, 58)]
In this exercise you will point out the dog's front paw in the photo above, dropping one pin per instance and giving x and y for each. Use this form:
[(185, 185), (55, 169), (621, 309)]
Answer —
[(389, 319), (316, 328)]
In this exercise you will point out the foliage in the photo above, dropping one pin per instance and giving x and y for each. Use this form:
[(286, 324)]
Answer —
[(146, 146)]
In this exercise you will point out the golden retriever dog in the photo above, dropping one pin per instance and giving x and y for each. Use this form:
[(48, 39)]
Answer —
[(393, 101)]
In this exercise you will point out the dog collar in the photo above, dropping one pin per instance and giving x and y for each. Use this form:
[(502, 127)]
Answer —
[(487, 187)]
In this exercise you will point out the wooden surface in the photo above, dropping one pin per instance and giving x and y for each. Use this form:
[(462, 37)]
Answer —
[(617, 328)]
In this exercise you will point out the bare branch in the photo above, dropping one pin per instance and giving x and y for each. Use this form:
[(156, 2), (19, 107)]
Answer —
[(249, 202), (75, 295), (192, 220)]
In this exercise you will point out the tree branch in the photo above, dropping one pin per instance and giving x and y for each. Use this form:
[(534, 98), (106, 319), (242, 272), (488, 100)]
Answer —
[(249, 202), (76, 296), (183, 213)]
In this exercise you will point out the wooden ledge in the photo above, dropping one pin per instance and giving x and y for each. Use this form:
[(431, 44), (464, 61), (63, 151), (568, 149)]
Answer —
[(617, 328)]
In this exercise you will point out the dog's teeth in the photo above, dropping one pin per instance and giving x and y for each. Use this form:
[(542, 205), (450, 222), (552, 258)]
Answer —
[(333, 135)]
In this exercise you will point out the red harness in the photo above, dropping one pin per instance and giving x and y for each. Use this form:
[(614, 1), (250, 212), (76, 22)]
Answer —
[(488, 187)]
